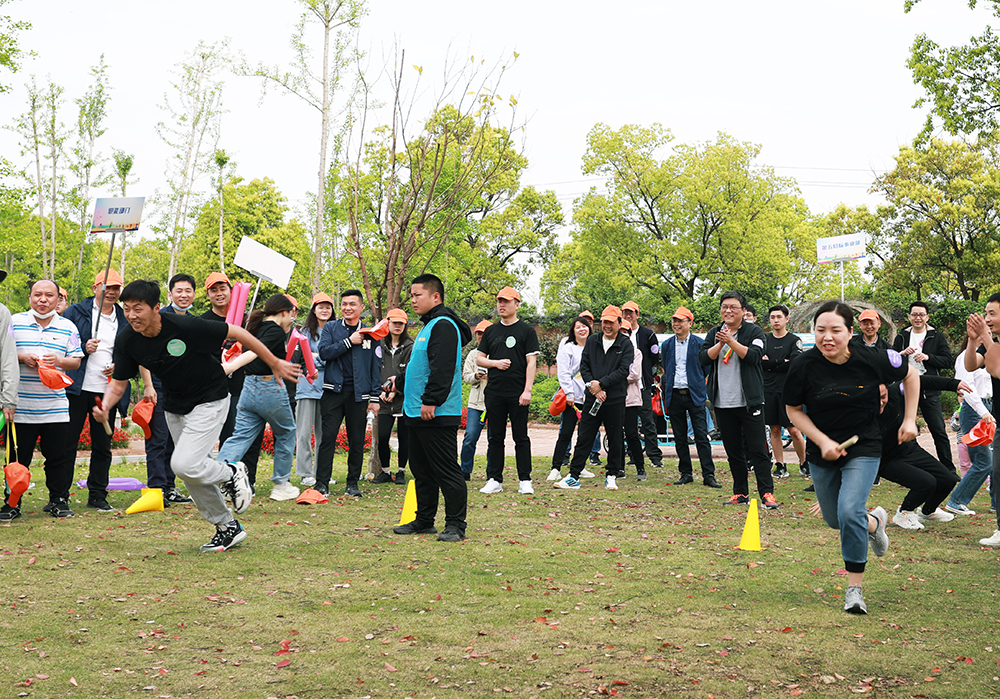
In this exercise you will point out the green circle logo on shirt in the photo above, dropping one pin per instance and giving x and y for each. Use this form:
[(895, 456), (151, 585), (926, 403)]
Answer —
[(176, 348), (511, 341)]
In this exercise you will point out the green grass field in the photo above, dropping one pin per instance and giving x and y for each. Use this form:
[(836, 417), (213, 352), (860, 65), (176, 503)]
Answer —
[(634, 593)]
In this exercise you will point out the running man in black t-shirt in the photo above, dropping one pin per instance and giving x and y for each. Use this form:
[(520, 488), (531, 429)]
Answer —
[(181, 351), (780, 348), (509, 351), (983, 350)]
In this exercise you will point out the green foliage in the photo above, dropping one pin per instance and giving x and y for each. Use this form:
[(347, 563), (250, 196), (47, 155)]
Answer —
[(541, 396), (11, 53)]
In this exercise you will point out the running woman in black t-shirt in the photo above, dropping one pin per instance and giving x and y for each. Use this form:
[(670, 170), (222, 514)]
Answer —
[(181, 351), (837, 383)]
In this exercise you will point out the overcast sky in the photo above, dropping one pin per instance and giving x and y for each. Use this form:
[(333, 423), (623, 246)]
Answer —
[(822, 87)]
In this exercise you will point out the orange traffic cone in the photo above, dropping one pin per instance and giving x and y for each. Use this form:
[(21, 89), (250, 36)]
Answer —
[(151, 500)]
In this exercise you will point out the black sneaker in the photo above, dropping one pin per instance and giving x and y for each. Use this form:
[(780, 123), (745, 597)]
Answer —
[(8, 513), (322, 489), (383, 477), (640, 475), (60, 509), (352, 490), (656, 463), (878, 481), (810, 489), (174, 496), (452, 535), (225, 539), (48, 507), (400, 478), (99, 504), (414, 528), (780, 471), (804, 470), (594, 460)]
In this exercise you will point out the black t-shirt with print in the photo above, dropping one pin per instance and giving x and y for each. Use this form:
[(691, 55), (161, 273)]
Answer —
[(780, 351), (843, 399), (273, 337), (184, 355), (514, 342)]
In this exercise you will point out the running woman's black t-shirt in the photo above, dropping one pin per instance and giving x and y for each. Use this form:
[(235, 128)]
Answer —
[(843, 400)]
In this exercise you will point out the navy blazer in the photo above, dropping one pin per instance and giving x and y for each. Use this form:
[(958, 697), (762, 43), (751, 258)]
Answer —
[(367, 358), (696, 372), (82, 316)]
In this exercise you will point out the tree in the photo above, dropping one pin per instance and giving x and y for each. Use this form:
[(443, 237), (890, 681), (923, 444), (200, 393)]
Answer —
[(675, 225), (192, 132), (960, 82), (123, 167), (338, 20), (10, 52), (221, 161), (938, 234)]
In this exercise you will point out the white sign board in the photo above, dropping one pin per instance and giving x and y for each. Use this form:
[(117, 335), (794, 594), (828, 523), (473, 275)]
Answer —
[(840, 248), (118, 213), (261, 261)]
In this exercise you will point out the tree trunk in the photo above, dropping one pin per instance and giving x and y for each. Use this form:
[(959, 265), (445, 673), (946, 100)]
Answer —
[(317, 263)]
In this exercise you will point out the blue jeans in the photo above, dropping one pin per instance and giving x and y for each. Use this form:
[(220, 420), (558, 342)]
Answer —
[(982, 462), (842, 493), (473, 428), (263, 401)]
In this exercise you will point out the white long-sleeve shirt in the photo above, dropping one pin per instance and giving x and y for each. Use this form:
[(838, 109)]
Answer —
[(979, 380)]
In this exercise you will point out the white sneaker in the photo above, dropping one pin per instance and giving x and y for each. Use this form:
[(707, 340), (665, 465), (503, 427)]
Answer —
[(906, 520), (991, 541), (586, 474), (284, 491), (525, 488), (959, 509), (492, 486), (307, 482), (568, 483), (554, 475), (938, 515), (611, 483)]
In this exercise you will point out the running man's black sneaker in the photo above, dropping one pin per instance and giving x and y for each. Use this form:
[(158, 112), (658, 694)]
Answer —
[(226, 538)]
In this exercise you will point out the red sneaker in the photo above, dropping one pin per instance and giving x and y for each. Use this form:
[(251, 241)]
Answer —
[(769, 501)]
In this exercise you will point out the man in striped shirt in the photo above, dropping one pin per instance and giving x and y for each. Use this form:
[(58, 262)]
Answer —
[(44, 339)]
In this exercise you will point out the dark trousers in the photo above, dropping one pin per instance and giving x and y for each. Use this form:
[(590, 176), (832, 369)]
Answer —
[(385, 421), (612, 416), (252, 455), (59, 460), (498, 410), (648, 421), (632, 440), (928, 479), (681, 406), (930, 408), (435, 468), (334, 409), (567, 426), (741, 426), (159, 449), (100, 441)]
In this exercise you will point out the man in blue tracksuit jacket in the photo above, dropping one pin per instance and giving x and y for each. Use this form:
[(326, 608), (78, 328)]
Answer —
[(684, 394), (351, 383)]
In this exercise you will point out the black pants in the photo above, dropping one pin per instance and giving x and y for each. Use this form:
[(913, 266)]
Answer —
[(159, 449), (612, 416), (498, 410), (632, 439), (741, 426), (566, 428), (100, 441), (59, 460), (435, 468), (681, 405), (252, 455), (334, 409), (930, 408), (385, 421), (928, 479), (648, 421)]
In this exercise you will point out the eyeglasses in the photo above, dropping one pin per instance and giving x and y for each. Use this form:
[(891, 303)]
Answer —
[(918, 315), (731, 308)]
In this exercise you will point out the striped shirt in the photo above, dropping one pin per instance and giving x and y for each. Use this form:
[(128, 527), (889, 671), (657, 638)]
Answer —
[(36, 402)]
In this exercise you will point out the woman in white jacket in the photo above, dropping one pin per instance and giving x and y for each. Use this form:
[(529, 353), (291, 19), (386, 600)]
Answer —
[(570, 381), (633, 403)]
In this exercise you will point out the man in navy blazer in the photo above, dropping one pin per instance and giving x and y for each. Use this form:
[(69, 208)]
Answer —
[(684, 394), (351, 386)]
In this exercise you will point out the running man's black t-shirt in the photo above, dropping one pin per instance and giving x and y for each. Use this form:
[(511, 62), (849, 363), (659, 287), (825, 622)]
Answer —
[(183, 356), (843, 399), (779, 351), (514, 342), (273, 337)]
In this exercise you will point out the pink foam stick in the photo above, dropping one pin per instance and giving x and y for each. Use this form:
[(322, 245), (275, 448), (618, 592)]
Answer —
[(298, 339)]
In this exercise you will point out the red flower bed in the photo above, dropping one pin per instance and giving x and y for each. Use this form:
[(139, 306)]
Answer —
[(119, 438), (267, 445)]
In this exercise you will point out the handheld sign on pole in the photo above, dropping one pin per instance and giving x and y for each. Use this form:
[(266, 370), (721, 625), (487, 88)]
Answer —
[(840, 248), (114, 214), (264, 263)]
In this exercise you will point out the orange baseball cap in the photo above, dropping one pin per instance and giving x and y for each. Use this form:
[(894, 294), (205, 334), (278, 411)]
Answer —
[(216, 277), (631, 306), (587, 314), (322, 297), (397, 314), (295, 302), (625, 324), (509, 294), (683, 314), (63, 293), (611, 313), (114, 279), (868, 314), (483, 324)]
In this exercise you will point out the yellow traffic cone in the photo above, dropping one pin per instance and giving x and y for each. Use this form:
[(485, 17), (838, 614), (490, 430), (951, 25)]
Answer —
[(151, 500), (750, 541), (409, 504)]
